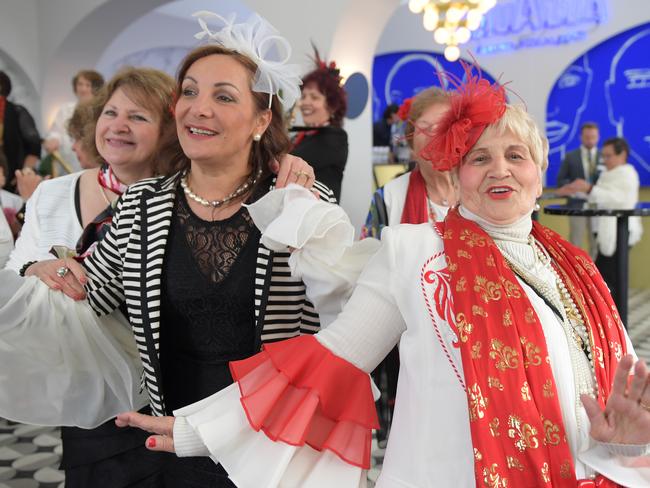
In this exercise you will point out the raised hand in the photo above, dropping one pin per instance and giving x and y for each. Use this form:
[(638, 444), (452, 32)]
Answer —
[(626, 417)]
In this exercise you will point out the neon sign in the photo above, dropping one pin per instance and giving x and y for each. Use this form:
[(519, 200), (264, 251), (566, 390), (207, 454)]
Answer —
[(519, 24)]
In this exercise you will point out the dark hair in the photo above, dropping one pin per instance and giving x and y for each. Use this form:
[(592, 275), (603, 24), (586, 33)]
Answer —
[(153, 90), (95, 78), (328, 82), (588, 125), (619, 144), (4, 164), (390, 110), (5, 84), (275, 140)]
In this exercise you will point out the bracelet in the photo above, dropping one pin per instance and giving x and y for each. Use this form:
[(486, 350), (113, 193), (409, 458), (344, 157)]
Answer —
[(23, 269)]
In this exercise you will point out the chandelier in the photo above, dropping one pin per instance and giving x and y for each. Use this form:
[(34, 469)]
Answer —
[(451, 21)]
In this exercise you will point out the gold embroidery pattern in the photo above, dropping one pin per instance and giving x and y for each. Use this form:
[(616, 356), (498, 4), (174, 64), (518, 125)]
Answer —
[(507, 318), (495, 383), (587, 264), (477, 403), (476, 350), (473, 239), (618, 352), (551, 433), (465, 328), (547, 389), (565, 470), (512, 291), (514, 463), (489, 290), (494, 427), (504, 356), (545, 473), (451, 266), (532, 353), (598, 352), (461, 285), (477, 454), (493, 479), (490, 261), (529, 316), (448, 234), (523, 433), (464, 254), (525, 392), (477, 310)]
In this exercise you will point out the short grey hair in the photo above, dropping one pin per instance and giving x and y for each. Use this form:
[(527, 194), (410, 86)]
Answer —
[(516, 120)]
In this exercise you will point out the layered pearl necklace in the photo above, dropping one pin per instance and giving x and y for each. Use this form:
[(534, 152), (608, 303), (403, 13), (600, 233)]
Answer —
[(243, 188)]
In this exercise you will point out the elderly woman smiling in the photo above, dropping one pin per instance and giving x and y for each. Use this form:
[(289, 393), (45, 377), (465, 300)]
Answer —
[(514, 363)]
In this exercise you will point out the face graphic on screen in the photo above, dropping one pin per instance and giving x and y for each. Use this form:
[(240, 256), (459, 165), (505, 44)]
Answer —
[(628, 96), (567, 102)]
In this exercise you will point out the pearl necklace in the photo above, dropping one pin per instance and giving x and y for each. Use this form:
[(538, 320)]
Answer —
[(573, 324), (250, 182)]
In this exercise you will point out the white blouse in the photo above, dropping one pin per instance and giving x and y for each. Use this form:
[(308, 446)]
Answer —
[(50, 219)]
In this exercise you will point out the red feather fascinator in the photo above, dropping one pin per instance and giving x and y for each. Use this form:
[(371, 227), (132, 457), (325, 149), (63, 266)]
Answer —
[(475, 104), (405, 109)]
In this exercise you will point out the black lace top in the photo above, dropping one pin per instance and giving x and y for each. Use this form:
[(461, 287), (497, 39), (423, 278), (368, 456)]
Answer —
[(207, 302)]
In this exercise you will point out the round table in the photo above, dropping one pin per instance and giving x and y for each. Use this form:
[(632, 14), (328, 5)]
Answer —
[(622, 238)]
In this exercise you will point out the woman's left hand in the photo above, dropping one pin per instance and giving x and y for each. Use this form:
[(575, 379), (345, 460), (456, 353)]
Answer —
[(163, 427), (292, 169), (626, 418)]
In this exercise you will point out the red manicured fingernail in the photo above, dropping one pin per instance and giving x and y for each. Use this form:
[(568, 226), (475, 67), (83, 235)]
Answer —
[(151, 442)]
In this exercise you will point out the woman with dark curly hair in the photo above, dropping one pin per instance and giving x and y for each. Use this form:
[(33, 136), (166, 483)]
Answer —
[(322, 141)]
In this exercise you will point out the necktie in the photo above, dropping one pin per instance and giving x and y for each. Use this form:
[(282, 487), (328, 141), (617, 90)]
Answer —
[(592, 164)]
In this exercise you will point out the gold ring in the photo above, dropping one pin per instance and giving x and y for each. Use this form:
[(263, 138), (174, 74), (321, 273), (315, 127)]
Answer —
[(300, 173), (644, 406)]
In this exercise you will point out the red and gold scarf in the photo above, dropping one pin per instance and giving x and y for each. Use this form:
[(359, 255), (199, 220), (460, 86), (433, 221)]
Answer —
[(515, 417)]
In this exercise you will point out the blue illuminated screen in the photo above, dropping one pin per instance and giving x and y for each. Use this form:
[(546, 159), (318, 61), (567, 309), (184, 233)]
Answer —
[(401, 75), (609, 85)]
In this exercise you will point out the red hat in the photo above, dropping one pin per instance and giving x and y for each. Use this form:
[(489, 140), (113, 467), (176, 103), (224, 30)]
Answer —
[(475, 104)]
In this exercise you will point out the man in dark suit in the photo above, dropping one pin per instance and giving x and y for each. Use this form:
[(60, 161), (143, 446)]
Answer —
[(581, 164), (382, 129)]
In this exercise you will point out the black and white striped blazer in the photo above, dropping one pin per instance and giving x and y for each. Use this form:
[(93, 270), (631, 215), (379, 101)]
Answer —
[(127, 268)]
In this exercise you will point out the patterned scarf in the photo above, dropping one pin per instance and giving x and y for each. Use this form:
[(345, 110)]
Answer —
[(97, 229), (515, 418)]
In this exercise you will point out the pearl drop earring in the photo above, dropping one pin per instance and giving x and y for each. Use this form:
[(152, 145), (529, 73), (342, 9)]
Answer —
[(257, 137)]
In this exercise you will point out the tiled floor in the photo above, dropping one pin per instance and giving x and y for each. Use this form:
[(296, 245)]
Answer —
[(29, 455)]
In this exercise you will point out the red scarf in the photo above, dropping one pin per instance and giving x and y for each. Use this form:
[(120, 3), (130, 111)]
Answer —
[(300, 136), (416, 208), (107, 179), (515, 417)]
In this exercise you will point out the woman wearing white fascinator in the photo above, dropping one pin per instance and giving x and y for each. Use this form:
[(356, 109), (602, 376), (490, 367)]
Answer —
[(200, 282)]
